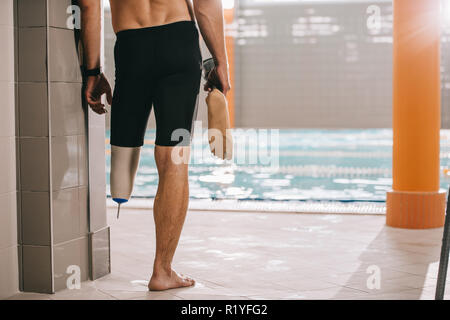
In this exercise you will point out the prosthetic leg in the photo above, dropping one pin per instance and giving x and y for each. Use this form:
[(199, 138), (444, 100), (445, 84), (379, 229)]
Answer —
[(124, 164)]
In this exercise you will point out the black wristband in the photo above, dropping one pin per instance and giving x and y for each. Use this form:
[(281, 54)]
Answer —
[(92, 72)]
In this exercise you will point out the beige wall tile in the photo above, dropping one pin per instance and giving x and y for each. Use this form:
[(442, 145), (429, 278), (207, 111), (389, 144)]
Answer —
[(34, 164), (73, 253), (7, 53), (63, 58), (57, 12), (97, 207), (15, 5), (8, 220), (83, 200), (33, 54), (16, 109), (6, 12), (67, 115), (64, 162), (20, 267), (66, 216), (35, 218), (83, 125), (97, 177), (33, 109), (97, 151), (9, 274), (7, 164), (19, 216), (32, 13), (83, 178), (37, 269), (100, 253), (16, 53), (7, 109)]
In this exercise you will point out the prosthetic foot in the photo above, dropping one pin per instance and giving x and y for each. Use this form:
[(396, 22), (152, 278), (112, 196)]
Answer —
[(124, 164)]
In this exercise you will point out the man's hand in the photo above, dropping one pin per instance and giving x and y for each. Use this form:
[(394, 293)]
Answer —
[(218, 78), (95, 88)]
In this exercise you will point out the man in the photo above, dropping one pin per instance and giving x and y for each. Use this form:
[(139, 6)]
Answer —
[(158, 62)]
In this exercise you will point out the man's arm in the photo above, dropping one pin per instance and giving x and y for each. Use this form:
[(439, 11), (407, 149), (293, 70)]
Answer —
[(209, 14), (91, 32), (96, 86)]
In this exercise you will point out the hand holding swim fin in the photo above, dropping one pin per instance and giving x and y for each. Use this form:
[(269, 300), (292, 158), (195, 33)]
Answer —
[(219, 134), (216, 77)]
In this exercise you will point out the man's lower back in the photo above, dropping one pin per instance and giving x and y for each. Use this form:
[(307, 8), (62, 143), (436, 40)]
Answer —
[(134, 14)]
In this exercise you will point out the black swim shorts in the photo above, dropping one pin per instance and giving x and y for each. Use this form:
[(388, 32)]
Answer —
[(161, 67)]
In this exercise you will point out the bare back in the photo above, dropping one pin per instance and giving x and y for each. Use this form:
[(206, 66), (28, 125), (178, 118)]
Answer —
[(134, 14)]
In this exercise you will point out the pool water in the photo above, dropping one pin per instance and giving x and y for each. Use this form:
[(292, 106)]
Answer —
[(322, 165)]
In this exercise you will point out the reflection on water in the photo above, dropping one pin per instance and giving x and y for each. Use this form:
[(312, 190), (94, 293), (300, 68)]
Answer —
[(338, 165)]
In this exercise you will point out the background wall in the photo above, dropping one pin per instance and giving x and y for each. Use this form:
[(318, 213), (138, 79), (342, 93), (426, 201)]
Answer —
[(9, 273), (318, 64), (312, 64)]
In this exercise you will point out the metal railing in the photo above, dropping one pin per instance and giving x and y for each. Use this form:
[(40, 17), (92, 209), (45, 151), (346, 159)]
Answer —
[(443, 262)]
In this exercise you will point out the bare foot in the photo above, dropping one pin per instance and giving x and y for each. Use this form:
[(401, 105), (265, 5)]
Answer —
[(165, 281)]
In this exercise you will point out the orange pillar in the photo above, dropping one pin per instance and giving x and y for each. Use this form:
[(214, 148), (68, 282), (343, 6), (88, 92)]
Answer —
[(229, 41), (415, 201)]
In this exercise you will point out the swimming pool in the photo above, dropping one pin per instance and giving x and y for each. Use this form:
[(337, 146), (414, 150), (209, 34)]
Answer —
[(314, 165)]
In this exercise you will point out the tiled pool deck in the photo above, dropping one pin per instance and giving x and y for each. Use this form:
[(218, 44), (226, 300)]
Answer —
[(238, 255)]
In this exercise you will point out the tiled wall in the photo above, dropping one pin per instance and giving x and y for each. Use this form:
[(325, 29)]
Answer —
[(57, 138), (321, 64), (9, 275)]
